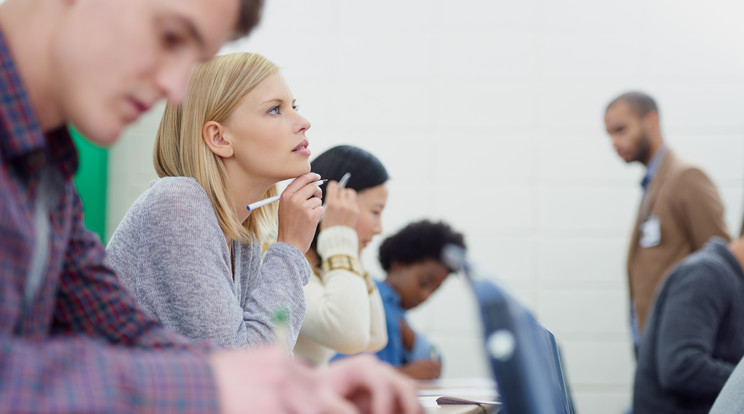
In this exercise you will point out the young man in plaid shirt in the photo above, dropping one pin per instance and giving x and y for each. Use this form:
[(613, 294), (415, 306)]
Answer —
[(71, 338)]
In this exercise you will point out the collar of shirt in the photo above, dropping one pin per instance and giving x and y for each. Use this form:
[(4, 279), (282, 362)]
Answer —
[(21, 134), (653, 166), (388, 294)]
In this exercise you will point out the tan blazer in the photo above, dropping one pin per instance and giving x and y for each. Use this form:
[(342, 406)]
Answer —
[(689, 211)]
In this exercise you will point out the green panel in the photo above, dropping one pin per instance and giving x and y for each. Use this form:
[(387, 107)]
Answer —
[(91, 181)]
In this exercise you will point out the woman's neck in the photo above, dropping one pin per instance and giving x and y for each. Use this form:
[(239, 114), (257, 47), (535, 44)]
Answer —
[(244, 190)]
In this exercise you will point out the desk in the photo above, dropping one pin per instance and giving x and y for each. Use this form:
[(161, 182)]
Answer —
[(476, 389)]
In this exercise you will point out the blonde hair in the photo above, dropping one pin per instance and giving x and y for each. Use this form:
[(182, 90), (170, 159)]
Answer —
[(215, 89)]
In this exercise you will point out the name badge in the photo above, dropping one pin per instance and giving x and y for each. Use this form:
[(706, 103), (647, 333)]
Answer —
[(650, 232)]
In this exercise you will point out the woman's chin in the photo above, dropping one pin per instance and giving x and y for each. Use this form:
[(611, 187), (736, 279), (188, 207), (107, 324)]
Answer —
[(299, 171)]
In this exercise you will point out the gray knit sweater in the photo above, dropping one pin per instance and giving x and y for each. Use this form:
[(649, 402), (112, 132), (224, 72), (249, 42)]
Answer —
[(170, 252)]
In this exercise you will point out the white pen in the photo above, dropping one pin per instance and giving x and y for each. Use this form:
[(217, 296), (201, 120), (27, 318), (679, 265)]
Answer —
[(344, 179), (272, 199), (342, 182)]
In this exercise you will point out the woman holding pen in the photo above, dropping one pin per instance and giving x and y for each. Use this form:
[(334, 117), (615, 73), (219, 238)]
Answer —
[(189, 249), (344, 309)]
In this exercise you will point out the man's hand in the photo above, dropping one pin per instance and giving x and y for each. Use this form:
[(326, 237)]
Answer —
[(268, 380), (372, 386)]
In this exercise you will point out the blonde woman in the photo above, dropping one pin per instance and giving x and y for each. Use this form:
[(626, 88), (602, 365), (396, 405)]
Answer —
[(188, 249)]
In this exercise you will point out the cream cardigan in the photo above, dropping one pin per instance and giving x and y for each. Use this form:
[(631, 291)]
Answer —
[(341, 315)]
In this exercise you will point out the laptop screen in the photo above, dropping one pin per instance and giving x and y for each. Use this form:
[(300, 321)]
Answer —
[(523, 355)]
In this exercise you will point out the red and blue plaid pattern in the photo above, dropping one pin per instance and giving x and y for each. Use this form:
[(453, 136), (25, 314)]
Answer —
[(82, 345)]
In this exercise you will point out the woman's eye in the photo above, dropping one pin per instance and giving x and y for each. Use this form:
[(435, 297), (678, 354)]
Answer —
[(295, 108), (274, 110)]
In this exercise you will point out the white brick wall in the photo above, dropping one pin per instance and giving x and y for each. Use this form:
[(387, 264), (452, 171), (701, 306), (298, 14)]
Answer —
[(489, 114)]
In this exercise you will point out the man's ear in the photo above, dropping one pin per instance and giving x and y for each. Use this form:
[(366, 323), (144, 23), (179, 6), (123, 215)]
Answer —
[(651, 120), (213, 134)]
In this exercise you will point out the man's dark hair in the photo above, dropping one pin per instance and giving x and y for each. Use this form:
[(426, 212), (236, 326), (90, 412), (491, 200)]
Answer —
[(418, 241), (640, 103), (249, 17)]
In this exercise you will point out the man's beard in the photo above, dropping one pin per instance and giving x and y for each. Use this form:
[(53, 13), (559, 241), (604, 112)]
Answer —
[(643, 149)]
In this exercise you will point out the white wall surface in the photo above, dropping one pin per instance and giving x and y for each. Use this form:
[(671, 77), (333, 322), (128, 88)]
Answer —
[(488, 114)]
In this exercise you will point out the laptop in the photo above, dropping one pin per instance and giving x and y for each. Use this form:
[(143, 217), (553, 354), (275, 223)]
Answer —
[(524, 357)]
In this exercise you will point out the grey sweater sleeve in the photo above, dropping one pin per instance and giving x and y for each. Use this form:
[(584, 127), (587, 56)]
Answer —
[(696, 300), (173, 256), (278, 285)]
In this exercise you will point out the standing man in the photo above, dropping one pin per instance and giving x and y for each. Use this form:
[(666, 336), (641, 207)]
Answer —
[(71, 337), (680, 209)]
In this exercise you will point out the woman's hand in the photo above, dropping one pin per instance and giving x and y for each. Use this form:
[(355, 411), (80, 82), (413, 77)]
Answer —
[(422, 369), (341, 207), (300, 209)]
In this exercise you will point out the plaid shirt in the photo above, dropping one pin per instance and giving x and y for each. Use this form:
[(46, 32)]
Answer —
[(81, 344)]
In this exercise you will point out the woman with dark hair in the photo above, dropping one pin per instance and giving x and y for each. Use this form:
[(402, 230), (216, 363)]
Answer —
[(412, 259), (344, 311)]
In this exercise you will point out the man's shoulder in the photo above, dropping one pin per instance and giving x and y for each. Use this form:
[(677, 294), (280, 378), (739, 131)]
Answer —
[(710, 264), (682, 170), (683, 179)]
